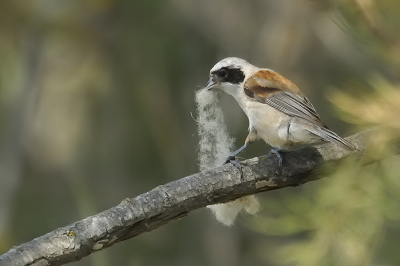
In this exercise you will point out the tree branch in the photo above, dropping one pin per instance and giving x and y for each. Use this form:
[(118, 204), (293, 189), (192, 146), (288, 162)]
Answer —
[(168, 202)]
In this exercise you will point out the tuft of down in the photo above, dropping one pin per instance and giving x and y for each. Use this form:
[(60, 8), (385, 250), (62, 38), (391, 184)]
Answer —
[(215, 145)]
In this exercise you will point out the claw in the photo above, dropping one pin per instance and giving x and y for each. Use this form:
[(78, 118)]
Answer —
[(229, 159), (232, 158), (234, 162)]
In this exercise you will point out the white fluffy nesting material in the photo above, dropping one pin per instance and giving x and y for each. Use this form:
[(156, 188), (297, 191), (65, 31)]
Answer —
[(215, 145)]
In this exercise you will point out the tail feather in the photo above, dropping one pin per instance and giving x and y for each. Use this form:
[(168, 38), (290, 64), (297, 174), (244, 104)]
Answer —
[(330, 136)]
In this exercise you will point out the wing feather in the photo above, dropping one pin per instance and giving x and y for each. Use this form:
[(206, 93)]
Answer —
[(294, 105), (328, 135), (292, 102)]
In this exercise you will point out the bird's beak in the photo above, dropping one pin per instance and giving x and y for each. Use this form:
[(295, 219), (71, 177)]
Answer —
[(212, 83)]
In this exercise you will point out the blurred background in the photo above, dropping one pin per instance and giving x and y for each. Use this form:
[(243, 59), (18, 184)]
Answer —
[(97, 105)]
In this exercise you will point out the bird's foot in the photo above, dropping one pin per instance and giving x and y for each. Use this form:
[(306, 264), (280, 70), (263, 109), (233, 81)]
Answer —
[(232, 159), (278, 154)]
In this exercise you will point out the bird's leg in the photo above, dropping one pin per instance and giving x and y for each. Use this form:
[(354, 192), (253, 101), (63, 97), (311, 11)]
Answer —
[(278, 154), (232, 157), (233, 154)]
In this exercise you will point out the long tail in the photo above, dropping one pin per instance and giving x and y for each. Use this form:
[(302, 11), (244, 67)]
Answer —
[(329, 135)]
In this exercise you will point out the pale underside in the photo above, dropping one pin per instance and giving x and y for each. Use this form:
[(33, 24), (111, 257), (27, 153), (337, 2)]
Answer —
[(271, 125), (275, 128)]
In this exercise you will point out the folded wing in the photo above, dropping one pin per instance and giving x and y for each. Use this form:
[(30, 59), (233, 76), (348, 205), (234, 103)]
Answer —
[(283, 95)]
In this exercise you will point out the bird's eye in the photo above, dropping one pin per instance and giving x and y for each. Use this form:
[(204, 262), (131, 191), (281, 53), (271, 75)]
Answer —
[(222, 73)]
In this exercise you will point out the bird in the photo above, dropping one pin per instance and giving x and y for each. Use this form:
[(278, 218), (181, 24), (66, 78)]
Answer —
[(278, 112)]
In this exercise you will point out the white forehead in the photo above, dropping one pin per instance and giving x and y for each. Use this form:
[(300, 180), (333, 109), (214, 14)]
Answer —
[(246, 67)]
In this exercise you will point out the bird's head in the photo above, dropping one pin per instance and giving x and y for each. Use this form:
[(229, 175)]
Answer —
[(229, 74)]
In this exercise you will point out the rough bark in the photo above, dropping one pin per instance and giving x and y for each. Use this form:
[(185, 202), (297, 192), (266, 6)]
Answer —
[(173, 200)]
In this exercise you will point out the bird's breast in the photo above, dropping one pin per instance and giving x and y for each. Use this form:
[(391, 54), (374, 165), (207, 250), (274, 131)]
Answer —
[(271, 125)]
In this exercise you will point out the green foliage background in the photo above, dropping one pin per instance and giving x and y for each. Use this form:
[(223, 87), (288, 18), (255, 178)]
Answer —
[(96, 105)]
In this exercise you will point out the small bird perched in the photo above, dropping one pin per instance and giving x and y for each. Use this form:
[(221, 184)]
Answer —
[(277, 110)]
